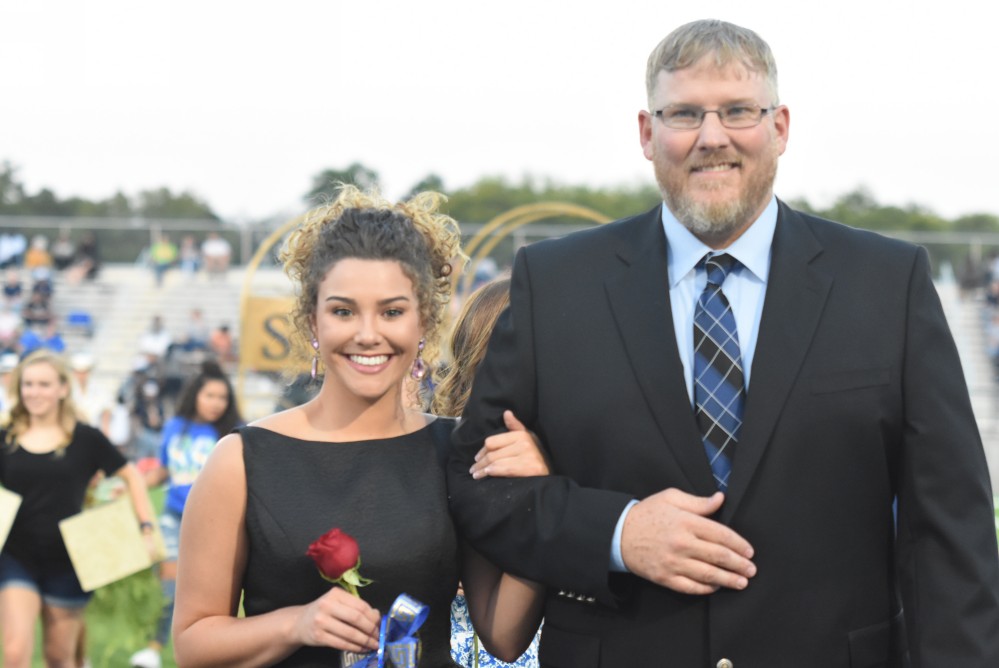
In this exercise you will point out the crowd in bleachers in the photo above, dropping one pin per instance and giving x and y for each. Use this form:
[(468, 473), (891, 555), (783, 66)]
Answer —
[(212, 256), (162, 364), (979, 281), (34, 267), (27, 319)]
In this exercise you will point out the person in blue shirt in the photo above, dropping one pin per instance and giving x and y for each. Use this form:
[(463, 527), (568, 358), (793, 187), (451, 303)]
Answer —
[(206, 411)]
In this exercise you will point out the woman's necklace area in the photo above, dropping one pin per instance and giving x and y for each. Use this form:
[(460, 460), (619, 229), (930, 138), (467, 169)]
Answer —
[(40, 440)]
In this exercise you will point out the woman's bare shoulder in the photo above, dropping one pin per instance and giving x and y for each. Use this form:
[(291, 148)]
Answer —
[(288, 421), (225, 464)]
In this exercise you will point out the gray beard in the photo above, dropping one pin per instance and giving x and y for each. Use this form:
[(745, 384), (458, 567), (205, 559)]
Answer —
[(716, 223), (710, 221)]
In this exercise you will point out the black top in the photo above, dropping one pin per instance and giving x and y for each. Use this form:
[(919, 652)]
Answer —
[(389, 494), (52, 487)]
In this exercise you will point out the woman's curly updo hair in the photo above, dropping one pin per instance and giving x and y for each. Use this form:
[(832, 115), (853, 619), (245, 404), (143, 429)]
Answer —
[(364, 225)]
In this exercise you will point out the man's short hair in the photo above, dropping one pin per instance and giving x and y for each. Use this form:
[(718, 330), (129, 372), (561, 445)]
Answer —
[(727, 42)]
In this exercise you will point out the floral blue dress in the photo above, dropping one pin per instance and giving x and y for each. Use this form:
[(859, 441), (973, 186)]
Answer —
[(463, 643)]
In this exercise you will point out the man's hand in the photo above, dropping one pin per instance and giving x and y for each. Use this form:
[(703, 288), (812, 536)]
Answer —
[(669, 539)]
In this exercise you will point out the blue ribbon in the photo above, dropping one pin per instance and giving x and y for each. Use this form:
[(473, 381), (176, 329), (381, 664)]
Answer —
[(397, 640)]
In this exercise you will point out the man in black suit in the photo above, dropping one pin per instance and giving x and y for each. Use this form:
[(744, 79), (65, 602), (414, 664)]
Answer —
[(736, 399)]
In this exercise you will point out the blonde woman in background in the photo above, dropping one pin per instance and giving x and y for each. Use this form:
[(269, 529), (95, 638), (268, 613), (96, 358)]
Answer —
[(48, 456)]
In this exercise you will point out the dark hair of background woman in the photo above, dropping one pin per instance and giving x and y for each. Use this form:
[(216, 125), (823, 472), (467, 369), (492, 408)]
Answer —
[(187, 403)]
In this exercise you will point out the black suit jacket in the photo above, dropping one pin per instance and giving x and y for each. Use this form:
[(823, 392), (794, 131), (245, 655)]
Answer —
[(856, 398)]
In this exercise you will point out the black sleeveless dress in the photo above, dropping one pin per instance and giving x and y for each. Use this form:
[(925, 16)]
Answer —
[(389, 494)]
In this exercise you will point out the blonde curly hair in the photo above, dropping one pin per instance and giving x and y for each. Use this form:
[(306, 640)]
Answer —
[(365, 225)]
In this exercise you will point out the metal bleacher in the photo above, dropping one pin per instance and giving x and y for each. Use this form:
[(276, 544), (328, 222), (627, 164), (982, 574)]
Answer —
[(968, 318), (122, 301)]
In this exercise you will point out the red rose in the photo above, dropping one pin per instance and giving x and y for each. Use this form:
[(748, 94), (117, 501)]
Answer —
[(335, 553)]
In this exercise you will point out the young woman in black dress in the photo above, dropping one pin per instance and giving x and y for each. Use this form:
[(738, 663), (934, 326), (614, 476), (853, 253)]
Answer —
[(373, 282)]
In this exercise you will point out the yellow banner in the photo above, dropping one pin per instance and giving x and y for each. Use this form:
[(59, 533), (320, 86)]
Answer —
[(265, 336)]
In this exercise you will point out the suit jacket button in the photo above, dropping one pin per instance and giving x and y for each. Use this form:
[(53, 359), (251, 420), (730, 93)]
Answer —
[(725, 663)]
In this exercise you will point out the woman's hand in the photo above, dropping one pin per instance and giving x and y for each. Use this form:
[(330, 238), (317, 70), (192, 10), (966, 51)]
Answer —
[(341, 620), (152, 548), (515, 454)]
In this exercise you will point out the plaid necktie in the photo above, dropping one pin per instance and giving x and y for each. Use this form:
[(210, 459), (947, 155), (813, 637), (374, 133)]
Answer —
[(719, 385)]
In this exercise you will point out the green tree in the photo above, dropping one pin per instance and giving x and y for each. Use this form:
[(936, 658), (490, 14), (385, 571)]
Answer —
[(324, 183), (859, 209), (851, 208), (429, 182), (490, 196), (162, 203), (118, 206), (802, 204), (157, 203), (11, 190), (45, 203), (487, 198), (978, 222)]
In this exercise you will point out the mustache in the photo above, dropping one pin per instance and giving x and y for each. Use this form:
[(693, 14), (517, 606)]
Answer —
[(715, 160)]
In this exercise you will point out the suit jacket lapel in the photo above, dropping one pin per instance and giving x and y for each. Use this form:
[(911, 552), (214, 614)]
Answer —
[(795, 297), (639, 300)]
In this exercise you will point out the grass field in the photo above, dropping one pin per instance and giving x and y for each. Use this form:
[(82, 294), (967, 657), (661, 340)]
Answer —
[(121, 617), (995, 504)]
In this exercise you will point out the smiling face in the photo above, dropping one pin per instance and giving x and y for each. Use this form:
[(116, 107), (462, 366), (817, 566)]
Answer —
[(42, 391), (367, 322), (715, 180)]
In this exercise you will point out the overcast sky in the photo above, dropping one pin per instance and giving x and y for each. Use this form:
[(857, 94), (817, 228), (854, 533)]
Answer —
[(243, 102)]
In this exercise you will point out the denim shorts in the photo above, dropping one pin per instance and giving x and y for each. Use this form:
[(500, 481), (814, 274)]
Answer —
[(59, 589), (170, 528)]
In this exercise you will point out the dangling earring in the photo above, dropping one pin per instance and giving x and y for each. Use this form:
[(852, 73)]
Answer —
[(315, 358), (419, 368)]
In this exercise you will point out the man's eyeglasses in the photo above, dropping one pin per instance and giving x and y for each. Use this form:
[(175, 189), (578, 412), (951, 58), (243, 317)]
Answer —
[(734, 116)]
